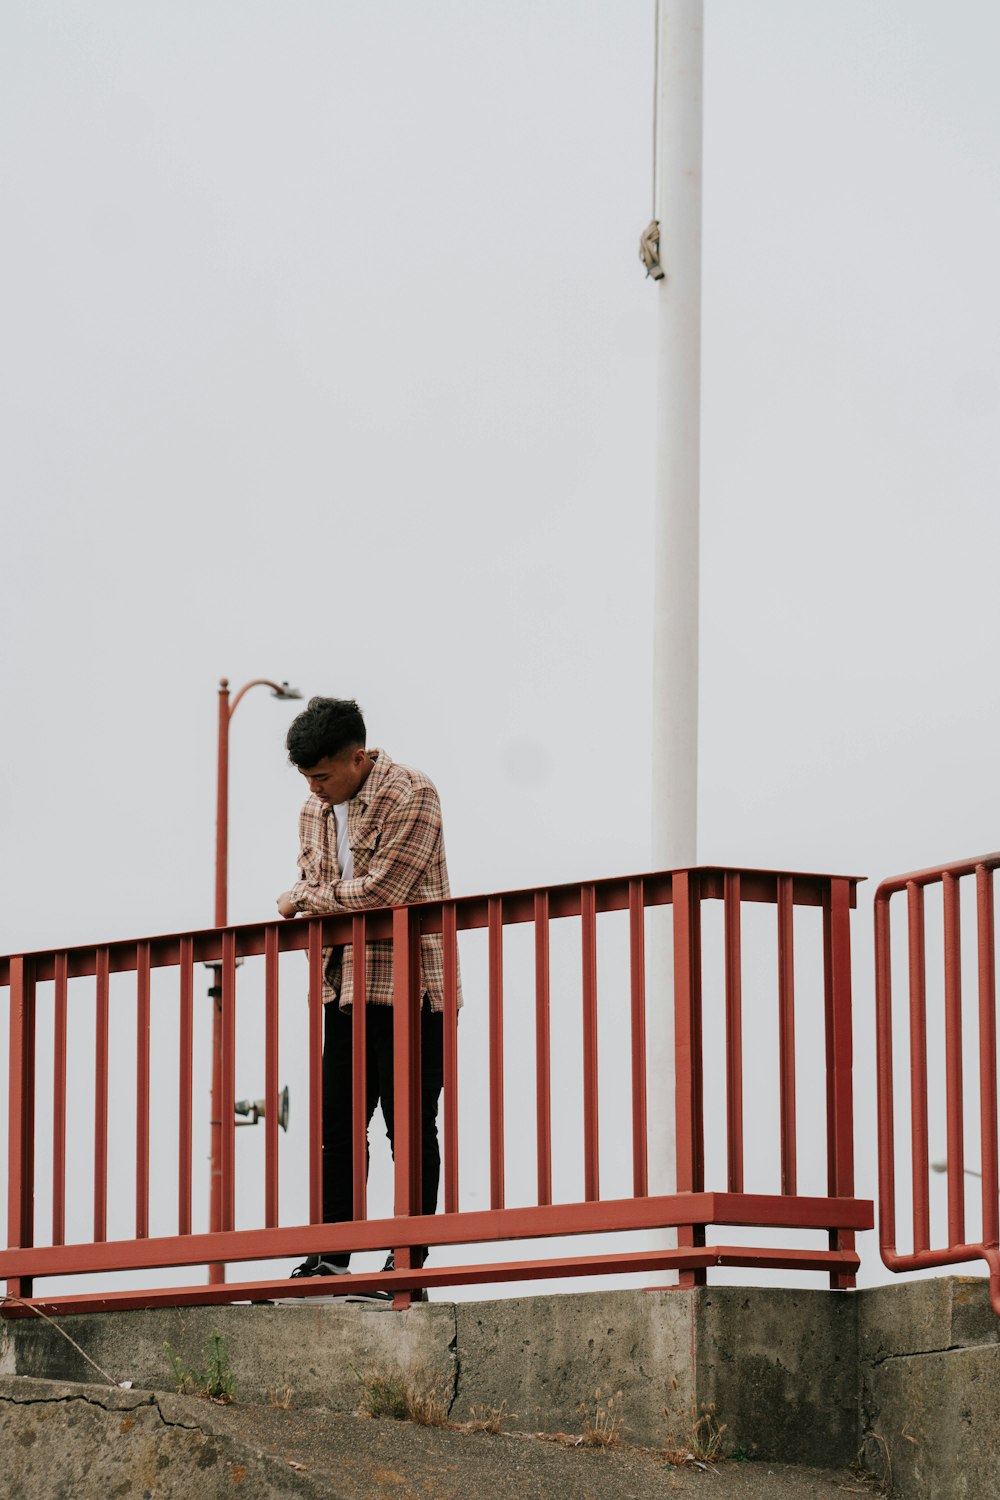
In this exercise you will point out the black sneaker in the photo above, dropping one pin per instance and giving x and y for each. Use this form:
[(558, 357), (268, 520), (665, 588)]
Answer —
[(313, 1265), (318, 1265), (322, 1265), (417, 1294)]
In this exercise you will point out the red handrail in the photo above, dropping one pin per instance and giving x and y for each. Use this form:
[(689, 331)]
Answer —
[(620, 1001), (958, 1248)]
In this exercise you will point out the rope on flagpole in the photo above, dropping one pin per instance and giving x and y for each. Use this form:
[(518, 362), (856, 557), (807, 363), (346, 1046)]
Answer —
[(655, 196), (649, 240)]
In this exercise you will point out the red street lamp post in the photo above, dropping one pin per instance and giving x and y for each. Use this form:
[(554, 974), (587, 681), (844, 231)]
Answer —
[(216, 1270)]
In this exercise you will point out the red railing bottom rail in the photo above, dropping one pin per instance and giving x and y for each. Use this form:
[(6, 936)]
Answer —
[(831, 1261)]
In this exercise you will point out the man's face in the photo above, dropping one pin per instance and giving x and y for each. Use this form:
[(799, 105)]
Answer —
[(336, 778)]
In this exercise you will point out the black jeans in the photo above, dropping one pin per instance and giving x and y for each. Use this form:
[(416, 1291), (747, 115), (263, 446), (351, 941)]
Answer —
[(338, 1160)]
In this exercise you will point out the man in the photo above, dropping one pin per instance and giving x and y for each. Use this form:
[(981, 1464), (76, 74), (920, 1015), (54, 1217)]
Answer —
[(369, 836)]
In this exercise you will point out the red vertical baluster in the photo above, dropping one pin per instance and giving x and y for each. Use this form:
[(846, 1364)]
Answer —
[(953, 1060), (359, 1125), (59, 1104), (316, 1072), (839, 1058), (543, 1062), (786, 1032), (918, 1064), (688, 1090), (588, 926), (449, 944), (184, 1086), (495, 935), (886, 1123), (227, 1097), (216, 1269), (271, 1105), (102, 967), (406, 1076), (734, 1032), (637, 984), (21, 1117), (987, 1051), (142, 1092)]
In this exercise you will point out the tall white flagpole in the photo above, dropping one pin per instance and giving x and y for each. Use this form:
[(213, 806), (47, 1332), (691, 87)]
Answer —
[(675, 629), (677, 207)]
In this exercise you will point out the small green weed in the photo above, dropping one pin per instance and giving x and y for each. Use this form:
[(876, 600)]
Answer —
[(216, 1380), (384, 1394)]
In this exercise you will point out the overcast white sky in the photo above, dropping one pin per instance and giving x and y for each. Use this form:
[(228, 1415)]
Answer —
[(327, 356)]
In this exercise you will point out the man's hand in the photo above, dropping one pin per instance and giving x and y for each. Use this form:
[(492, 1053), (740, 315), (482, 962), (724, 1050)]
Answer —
[(285, 906)]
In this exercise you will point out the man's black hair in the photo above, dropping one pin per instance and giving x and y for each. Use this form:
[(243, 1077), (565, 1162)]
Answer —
[(325, 727)]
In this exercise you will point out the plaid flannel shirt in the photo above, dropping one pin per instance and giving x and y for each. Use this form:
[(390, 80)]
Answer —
[(394, 830)]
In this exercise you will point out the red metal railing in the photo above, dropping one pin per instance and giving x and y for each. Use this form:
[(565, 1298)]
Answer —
[(948, 879), (615, 995)]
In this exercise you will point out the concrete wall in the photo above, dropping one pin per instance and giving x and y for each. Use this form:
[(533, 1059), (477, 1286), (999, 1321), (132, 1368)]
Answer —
[(907, 1374), (781, 1368), (778, 1366), (929, 1378), (318, 1351)]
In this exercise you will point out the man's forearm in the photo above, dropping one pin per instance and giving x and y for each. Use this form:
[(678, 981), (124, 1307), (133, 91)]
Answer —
[(365, 893), (316, 900)]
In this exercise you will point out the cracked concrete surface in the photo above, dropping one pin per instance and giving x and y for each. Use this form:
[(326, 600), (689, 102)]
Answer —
[(316, 1349), (68, 1442), (71, 1443), (906, 1373)]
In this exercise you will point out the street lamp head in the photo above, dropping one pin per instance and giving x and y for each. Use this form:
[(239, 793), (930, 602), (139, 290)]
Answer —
[(284, 691), (942, 1166)]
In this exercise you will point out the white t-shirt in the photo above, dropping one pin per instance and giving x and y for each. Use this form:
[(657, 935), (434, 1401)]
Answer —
[(345, 858)]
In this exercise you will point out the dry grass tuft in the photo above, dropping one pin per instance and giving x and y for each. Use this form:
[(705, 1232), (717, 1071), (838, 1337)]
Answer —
[(487, 1418), (603, 1428), (694, 1435), (863, 1470), (280, 1396), (428, 1408), (399, 1394)]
